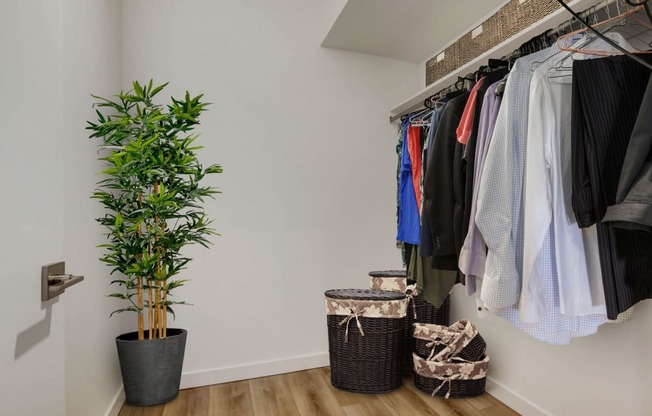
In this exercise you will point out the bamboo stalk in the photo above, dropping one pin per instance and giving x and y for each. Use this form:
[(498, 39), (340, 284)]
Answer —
[(141, 323), (158, 283), (141, 318), (165, 314), (158, 310), (155, 313), (150, 309)]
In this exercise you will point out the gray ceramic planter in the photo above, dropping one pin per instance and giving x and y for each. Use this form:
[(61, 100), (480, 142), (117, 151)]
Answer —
[(151, 369)]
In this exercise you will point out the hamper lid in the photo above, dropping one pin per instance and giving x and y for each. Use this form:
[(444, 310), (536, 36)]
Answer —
[(388, 273), (363, 294)]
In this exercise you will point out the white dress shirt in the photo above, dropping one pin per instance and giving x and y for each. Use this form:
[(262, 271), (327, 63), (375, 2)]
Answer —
[(547, 192)]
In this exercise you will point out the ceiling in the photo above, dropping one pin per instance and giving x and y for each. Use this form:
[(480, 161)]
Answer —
[(410, 30)]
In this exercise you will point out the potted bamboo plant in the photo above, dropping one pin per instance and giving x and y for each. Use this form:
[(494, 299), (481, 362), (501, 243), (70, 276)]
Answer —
[(152, 193)]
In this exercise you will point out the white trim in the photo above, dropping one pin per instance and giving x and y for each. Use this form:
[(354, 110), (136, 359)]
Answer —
[(253, 370), (549, 22), (514, 400), (116, 404)]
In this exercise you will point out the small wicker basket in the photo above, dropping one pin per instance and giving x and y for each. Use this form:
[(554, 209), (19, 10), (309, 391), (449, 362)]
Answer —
[(453, 379), (441, 343)]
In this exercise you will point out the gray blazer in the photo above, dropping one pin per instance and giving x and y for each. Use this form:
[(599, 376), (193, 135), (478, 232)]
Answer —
[(633, 209)]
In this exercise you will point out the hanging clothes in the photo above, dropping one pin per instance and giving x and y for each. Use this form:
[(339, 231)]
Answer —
[(633, 207), (463, 130), (426, 248), (474, 251), (607, 95), (500, 219), (409, 227), (439, 203), (466, 171), (434, 285), (414, 151), (547, 200)]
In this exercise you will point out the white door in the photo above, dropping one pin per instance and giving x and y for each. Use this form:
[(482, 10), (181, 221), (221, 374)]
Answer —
[(32, 365)]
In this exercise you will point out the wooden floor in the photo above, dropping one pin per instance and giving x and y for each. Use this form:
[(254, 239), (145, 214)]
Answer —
[(309, 393)]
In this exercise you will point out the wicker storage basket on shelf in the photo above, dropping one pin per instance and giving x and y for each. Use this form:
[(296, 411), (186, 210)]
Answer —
[(396, 280), (452, 379), (441, 343), (365, 333)]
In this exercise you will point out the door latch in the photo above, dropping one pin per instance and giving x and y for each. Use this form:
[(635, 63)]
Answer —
[(54, 280)]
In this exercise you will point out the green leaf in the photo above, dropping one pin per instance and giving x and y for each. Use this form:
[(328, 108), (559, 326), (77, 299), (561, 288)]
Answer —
[(138, 89)]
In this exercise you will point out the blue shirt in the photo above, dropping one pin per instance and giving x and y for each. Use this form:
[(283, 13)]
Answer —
[(409, 226)]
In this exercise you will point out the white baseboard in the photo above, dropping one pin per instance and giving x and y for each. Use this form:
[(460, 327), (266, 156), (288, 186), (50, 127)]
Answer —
[(514, 400), (117, 403), (253, 370)]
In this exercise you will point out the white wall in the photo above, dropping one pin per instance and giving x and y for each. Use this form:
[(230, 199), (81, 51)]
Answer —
[(308, 154), (91, 64), (32, 340), (605, 374)]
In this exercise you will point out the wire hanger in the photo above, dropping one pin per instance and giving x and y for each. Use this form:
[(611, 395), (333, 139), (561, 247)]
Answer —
[(645, 5), (564, 42), (606, 39), (581, 46)]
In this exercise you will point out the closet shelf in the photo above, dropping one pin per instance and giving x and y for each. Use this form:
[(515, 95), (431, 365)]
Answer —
[(551, 21)]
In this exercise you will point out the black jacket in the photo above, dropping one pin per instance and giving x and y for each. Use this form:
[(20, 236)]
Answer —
[(439, 200)]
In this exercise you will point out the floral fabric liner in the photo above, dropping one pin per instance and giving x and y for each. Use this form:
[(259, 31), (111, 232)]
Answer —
[(366, 308), (449, 371), (458, 370), (396, 284), (454, 337), (354, 308), (393, 284)]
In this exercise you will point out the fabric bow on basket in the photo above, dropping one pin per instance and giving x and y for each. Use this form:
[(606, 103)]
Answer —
[(347, 321)]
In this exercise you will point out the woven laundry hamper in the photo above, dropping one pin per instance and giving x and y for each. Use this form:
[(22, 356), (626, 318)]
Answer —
[(441, 343), (451, 379), (419, 309), (365, 333)]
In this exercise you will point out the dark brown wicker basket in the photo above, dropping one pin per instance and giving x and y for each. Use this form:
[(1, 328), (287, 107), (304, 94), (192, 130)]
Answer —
[(388, 273), (473, 351), (426, 314), (369, 363), (459, 389)]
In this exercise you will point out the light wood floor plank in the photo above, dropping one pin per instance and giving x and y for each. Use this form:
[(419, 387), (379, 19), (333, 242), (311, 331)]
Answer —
[(190, 402), (406, 402), (141, 411), (271, 396), (482, 402), (231, 399), (499, 410), (345, 398), (451, 407), (370, 408), (312, 395)]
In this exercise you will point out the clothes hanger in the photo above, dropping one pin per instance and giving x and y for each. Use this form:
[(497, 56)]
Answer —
[(609, 41), (420, 118), (620, 19), (645, 5), (565, 42)]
